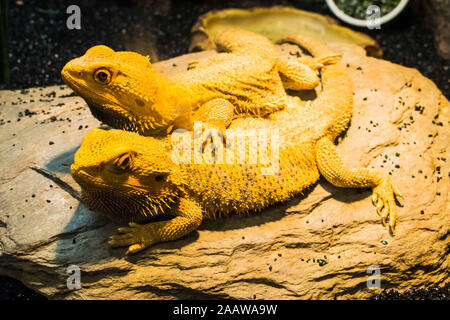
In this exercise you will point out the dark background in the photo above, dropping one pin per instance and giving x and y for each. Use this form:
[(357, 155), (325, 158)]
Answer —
[(40, 44)]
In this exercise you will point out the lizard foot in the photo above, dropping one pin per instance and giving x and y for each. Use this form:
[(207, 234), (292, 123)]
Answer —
[(330, 59), (318, 63), (136, 236), (383, 198), (213, 139)]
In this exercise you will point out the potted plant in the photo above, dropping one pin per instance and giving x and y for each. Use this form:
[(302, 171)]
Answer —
[(366, 13)]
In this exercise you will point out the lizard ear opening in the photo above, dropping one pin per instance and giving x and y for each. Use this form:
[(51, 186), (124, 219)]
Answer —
[(124, 162), (161, 176)]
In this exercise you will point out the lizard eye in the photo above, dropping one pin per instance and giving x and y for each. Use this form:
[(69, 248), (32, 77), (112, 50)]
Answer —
[(124, 162), (102, 75)]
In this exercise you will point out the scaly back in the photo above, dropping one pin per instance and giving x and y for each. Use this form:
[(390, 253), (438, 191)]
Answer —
[(327, 115)]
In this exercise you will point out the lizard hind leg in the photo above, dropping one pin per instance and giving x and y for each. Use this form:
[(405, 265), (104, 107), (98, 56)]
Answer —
[(297, 76), (332, 168), (301, 73)]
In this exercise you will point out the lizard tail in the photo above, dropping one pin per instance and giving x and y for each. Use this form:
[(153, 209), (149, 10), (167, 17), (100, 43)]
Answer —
[(317, 49), (244, 42)]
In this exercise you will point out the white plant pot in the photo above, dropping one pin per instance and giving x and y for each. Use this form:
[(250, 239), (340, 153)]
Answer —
[(364, 23)]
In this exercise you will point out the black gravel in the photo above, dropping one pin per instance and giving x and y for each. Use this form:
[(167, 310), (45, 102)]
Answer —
[(40, 44), (432, 293), (11, 289)]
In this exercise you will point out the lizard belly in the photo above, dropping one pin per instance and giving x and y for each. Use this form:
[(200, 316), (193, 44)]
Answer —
[(246, 83), (247, 94)]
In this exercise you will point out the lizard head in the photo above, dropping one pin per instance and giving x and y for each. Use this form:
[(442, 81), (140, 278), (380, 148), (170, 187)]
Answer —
[(125, 176), (119, 87)]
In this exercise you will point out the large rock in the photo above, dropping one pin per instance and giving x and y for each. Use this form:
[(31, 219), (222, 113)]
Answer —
[(316, 246)]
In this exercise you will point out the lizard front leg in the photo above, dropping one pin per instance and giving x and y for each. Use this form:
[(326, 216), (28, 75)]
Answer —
[(216, 112), (216, 115), (188, 218), (384, 192)]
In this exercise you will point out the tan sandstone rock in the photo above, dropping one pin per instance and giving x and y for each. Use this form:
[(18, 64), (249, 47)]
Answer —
[(317, 246)]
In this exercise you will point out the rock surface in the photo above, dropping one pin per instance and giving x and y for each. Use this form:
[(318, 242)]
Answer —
[(319, 246)]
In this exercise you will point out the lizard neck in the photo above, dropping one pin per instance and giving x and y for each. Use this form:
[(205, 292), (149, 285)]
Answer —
[(164, 101)]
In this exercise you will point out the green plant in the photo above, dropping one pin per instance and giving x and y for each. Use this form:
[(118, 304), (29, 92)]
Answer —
[(358, 8)]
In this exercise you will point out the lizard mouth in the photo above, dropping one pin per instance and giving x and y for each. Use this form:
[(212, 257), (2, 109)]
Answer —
[(103, 109), (118, 118), (112, 114), (121, 204)]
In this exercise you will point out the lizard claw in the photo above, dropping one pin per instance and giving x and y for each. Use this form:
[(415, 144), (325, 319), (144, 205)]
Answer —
[(384, 199), (213, 139), (192, 64), (398, 196), (330, 59), (135, 248)]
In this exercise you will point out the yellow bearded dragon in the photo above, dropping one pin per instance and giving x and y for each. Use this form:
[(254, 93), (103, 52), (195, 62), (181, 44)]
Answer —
[(124, 91), (132, 178)]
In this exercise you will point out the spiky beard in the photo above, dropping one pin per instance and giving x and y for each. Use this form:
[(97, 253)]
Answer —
[(124, 207), (120, 119)]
